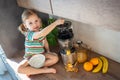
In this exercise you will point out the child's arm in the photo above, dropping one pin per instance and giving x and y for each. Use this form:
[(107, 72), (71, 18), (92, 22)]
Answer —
[(47, 46), (48, 29)]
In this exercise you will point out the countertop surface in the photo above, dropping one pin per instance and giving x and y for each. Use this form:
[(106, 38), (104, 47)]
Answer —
[(112, 74)]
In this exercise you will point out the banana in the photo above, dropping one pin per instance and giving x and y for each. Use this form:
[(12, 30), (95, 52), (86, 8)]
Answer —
[(98, 67), (105, 64)]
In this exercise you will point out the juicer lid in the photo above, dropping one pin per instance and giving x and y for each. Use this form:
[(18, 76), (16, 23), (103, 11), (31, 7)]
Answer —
[(67, 24)]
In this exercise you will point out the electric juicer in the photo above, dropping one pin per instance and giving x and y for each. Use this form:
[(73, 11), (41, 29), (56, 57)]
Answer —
[(65, 39)]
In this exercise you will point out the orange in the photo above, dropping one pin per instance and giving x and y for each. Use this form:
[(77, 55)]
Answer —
[(88, 66), (94, 61)]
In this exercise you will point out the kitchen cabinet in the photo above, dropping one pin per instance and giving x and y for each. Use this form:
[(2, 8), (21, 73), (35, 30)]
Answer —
[(39, 5), (104, 13), (101, 13)]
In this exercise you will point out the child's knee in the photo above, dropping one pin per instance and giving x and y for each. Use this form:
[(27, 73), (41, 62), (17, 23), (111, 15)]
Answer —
[(56, 58)]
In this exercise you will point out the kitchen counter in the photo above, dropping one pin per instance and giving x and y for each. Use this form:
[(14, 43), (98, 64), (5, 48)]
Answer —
[(112, 74)]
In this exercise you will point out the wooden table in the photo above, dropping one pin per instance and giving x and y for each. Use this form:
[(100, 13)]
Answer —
[(112, 74)]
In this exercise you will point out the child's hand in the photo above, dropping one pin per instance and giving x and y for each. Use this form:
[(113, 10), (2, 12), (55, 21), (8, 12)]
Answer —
[(48, 52), (59, 21)]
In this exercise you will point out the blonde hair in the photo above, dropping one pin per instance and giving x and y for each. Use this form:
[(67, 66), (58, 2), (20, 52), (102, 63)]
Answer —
[(25, 15)]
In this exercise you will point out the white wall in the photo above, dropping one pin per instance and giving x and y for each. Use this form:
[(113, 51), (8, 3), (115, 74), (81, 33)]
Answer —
[(100, 39)]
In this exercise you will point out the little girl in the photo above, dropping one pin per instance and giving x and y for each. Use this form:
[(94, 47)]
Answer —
[(36, 44)]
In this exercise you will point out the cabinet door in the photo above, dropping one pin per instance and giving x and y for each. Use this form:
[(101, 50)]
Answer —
[(94, 12), (40, 5)]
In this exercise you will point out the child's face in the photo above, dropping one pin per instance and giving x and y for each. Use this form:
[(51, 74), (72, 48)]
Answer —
[(33, 23)]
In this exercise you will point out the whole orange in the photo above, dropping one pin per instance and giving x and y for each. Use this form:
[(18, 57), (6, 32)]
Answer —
[(88, 66), (94, 61)]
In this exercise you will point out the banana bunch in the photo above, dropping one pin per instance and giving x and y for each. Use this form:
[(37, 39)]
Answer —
[(102, 65), (105, 64), (98, 67)]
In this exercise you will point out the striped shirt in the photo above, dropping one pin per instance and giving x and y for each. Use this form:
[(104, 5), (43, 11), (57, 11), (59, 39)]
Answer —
[(33, 46)]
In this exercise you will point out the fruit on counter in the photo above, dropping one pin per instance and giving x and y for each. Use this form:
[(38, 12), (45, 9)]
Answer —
[(105, 64), (94, 61), (98, 64), (68, 52), (69, 67), (98, 67), (87, 66)]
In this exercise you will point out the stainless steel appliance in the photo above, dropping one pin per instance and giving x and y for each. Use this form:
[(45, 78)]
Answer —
[(65, 35), (65, 39)]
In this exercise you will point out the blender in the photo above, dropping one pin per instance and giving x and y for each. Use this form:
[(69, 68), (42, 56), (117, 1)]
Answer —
[(65, 39)]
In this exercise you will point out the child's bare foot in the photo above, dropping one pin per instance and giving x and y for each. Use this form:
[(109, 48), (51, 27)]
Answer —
[(42, 70), (49, 70), (53, 70)]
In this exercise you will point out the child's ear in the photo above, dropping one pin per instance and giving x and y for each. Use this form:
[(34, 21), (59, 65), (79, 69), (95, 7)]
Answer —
[(24, 25)]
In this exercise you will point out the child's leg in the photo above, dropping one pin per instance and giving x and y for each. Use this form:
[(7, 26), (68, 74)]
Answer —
[(51, 59), (28, 70)]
